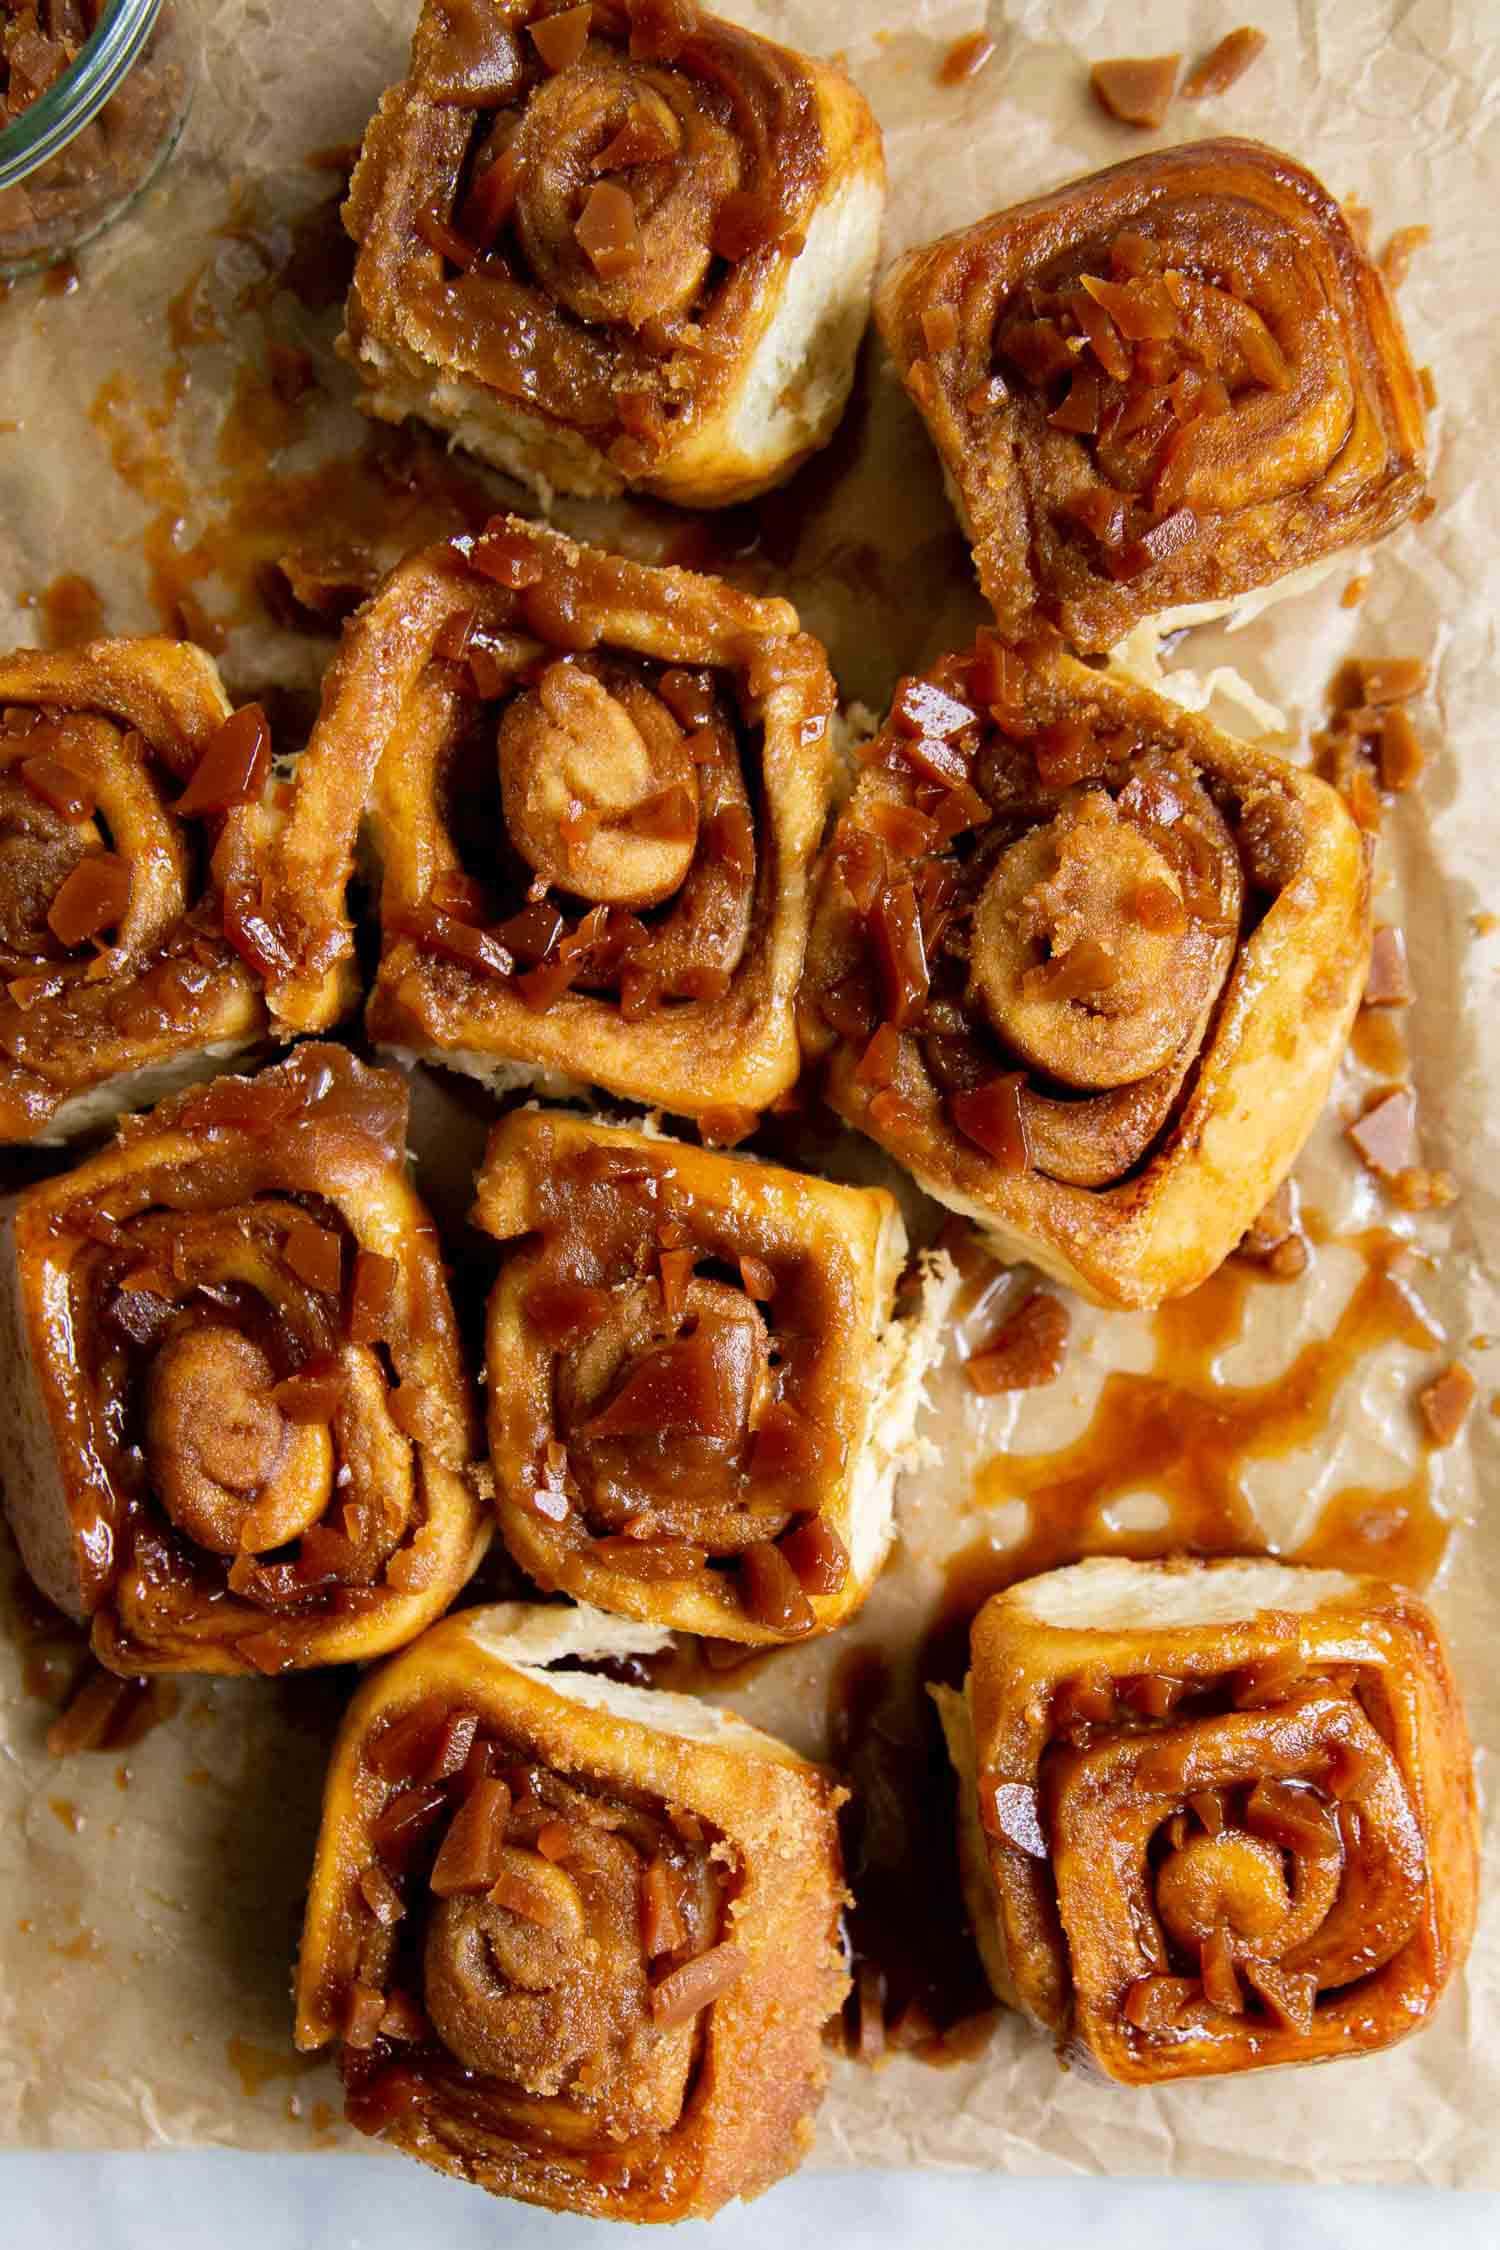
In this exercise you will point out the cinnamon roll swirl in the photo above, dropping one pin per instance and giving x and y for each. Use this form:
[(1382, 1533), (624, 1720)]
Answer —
[(698, 1397), (577, 1940), (242, 1434), (1215, 1816), (1084, 965), (618, 244), (1166, 384), (594, 790)]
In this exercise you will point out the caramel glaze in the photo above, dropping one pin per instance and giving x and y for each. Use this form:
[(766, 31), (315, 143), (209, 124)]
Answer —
[(210, 549), (256, 2067), (1177, 1432), (58, 1672), (397, 490), (72, 610)]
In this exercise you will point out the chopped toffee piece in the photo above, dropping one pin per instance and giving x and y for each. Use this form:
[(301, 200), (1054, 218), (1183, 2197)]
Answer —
[(1224, 64), (1026, 1351), (1385, 1135), (1136, 90), (1445, 1403), (1388, 984)]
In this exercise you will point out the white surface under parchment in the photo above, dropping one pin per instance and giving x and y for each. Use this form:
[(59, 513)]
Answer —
[(146, 1928)]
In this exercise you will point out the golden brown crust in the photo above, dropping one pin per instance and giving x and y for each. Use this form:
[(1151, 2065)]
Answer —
[(744, 1835), (210, 1465), (714, 711), (96, 745), (685, 1368), (1228, 1809), (1142, 946), (572, 256), (1124, 483)]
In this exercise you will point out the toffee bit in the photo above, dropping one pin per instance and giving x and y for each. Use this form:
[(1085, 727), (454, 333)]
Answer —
[(1390, 679), (1396, 257), (1388, 984), (363, 2012), (818, 1556), (561, 39), (1275, 1240), (607, 231), (1027, 1350), (1400, 757), (472, 1852), (685, 1992), (1446, 1402), (1416, 1188), (68, 793), (993, 1118), (98, 1714), (1386, 1134), (93, 898), (381, 1895), (772, 1592), (1224, 64), (965, 59), (1136, 90)]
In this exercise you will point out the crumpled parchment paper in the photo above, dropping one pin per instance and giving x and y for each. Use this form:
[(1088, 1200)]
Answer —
[(149, 1898)]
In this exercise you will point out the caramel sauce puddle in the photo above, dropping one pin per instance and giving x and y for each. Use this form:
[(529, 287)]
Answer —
[(259, 2067), (394, 491), (1180, 1433)]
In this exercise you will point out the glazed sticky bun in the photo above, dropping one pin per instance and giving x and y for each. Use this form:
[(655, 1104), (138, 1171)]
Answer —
[(139, 819), (242, 1433), (1216, 1816), (1164, 385), (1084, 965), (594, 792), (619, 244), (699, 1398), (577, 1940)]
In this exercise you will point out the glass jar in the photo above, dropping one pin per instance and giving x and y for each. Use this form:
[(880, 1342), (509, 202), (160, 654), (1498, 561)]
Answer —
[(79, 154)]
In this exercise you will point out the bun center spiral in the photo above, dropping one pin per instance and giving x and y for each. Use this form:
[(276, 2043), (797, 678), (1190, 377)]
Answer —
[(666, 144), (1080, 949), (227, 1467), (599, 789)]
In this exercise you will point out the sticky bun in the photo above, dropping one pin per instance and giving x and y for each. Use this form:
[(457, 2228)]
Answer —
[(577, 1939), (615, 245), (594, 791), (699, 1398), (1084, 965), (242, 1435), (1214, 1816), (138, 821), (1163, 385)]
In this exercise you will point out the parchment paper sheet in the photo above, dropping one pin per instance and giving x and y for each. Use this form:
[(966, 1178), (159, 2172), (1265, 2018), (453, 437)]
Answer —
[(149, 1901)]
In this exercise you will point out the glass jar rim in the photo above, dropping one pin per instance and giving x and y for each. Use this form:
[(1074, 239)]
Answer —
[(49, 123)]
